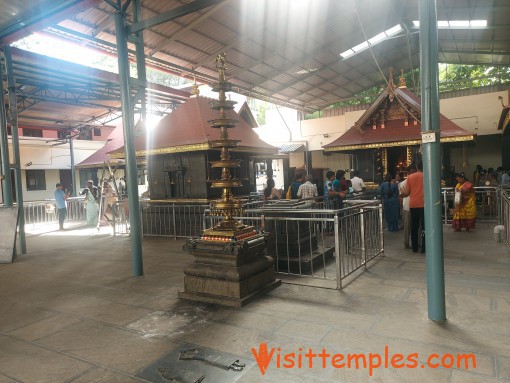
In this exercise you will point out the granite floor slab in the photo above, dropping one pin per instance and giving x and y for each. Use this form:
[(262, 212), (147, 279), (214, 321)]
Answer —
[(70, 311)]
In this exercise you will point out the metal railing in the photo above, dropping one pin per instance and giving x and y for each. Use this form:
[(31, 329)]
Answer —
[(488, 203), (44, 212), (171, 219), (120, 217), (319, 243), (505, 215)]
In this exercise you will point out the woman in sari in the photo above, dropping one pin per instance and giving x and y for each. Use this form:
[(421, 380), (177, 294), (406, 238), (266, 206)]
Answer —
[(464, 214), (389, 194), (91, 196)]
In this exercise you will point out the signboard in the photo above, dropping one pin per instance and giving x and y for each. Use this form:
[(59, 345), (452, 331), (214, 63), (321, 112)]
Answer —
[(428, 137), (9, 219)]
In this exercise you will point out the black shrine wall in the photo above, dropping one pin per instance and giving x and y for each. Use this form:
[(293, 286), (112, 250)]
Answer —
[(185, 175)]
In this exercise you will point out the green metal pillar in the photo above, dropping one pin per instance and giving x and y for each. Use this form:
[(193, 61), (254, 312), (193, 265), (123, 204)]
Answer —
[(140, 59), (431, 160), (74, 190), (129, 144), (13, 116), (4, 146), (141, 71)]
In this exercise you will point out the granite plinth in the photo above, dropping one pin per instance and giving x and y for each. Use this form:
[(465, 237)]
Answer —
[(228, 273)]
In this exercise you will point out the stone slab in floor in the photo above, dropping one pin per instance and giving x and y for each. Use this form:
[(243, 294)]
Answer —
[(216, 369)]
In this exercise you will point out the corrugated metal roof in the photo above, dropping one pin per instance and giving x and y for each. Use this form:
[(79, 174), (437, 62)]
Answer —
[(289, 148), (272, 38)]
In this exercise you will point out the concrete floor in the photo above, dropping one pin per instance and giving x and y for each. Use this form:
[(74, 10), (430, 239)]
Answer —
[(70, 311)]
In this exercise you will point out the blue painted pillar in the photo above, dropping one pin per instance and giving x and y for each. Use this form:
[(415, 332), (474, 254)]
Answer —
[(74, 189), (129, 145), (4, 147), (13, 116), (431, 160)]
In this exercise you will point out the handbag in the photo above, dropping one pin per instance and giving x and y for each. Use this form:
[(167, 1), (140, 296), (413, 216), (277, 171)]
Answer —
[(288, 195), (457, 198)]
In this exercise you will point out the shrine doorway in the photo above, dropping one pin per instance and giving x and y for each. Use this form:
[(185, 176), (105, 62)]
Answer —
[(397, 160)]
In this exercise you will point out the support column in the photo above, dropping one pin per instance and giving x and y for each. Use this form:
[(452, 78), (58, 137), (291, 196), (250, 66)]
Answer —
[(409, 155), (129, 144), (384, 158), (13, 116), (431, 160), (4, 146), (308, 161), (73, 167), (140, 59)]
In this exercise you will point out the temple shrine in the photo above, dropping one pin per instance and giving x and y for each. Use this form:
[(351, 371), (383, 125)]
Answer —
[(179, 150), (387, 137)]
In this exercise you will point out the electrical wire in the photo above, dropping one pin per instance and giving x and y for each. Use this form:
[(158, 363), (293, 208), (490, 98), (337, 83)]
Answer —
[(408, 38), (378, 67)]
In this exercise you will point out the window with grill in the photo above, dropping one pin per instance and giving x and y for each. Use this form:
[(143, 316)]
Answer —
[(32, 132), (85, 134), (36, 180)]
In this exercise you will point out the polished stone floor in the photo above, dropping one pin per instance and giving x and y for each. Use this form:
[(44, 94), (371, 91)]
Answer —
[(71, 311)]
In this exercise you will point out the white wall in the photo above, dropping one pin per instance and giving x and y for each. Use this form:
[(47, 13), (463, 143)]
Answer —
[(44, 155), (477, 114), (52, 177), (487, 153), (322, 131)]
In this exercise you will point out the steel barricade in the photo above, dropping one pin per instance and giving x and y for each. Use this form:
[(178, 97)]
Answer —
[(39, 213), (171, 219), (488, 203), (318, 243), (505, 214)]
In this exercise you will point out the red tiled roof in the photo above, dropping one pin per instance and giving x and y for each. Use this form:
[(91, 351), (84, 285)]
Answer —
[(395, 133), (188, 125), (115, 141)]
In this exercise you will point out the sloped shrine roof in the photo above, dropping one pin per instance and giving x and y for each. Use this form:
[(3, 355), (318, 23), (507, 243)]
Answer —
[(115, 141), (393, 107), (187, 129)]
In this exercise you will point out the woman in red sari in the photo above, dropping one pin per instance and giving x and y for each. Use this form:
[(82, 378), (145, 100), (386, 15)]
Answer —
[(464, 214)]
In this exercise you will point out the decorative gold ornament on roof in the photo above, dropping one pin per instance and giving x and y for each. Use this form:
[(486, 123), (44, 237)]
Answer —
[(402, 80), (194, 88)]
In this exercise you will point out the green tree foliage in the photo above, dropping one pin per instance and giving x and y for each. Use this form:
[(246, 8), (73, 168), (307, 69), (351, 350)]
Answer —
[(258, 109), (451, 77), (455, 76)]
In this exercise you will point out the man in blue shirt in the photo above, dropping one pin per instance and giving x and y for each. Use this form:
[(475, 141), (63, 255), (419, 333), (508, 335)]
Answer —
[(298, 180), (328, 190), (60, 198)]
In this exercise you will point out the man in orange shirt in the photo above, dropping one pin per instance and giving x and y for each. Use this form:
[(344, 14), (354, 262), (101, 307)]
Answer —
[(414, 189)]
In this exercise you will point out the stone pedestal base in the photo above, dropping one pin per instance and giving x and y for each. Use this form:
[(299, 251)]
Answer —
[(228, 273)]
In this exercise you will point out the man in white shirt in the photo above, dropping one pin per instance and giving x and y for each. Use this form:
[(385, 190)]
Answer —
[(357, 184), (505, 178)]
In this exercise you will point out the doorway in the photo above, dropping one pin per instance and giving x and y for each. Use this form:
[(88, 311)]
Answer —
[(66, 179), (397, 160)]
